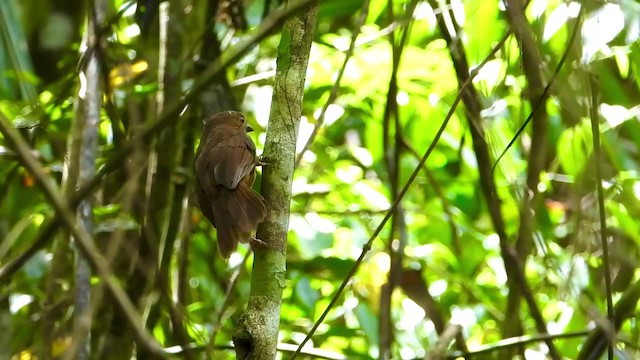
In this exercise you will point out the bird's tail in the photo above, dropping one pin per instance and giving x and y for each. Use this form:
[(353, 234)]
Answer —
[(237, 213), (247, 208)]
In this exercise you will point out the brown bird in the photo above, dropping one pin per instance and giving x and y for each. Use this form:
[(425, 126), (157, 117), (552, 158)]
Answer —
[(224, 169)]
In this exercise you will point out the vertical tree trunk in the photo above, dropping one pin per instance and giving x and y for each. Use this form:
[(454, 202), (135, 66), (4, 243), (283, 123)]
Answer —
[(256, 334), (166, 202), (86, 145)]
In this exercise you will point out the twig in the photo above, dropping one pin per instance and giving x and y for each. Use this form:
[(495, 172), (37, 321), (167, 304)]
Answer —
[(402, 193), (336, 85), (168, 117), (233, 280), (83, 238), (516, 342), (595, 132), (547, 89), (392, 160), (446, 207), (447, 336)]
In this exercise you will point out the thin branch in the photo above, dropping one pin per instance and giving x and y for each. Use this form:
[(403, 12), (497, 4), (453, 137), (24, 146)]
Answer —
[(281, 347), (595, 132), (170, 151), (168, 117), (46, 233), (448, 335), (402, 193), (515, 273), (88, 122), (184, 247), (355, 212), (531, 63), (599, 338), (547, 89), (515, 342), (127, 195), (336, 85), (392, 143), (233, 280), (218, 95), (446, 207), (416, 288), (84, 239)]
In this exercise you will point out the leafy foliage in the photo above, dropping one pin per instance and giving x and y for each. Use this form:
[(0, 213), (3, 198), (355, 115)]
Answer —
[(452, 268)]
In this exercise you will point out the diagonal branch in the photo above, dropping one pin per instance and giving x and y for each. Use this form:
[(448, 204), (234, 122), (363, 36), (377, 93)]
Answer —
[(446, 337), (170, 116), (531, 63), (547, 88), (518, 341), (516, 278), (401, 194), (83, 238), (336, 85), (599, 339), (537, 153)]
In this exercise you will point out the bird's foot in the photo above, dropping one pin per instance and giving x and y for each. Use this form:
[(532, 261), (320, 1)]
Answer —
[(257, 243), (263, 161)]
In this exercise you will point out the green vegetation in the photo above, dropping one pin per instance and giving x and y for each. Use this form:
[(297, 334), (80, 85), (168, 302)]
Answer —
[(472, 163)]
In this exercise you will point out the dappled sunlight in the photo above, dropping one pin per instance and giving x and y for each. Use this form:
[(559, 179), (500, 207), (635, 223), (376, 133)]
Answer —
[(392, 179)]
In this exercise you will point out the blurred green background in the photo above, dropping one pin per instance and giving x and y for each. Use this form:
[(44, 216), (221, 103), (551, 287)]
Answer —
[(398, 85)]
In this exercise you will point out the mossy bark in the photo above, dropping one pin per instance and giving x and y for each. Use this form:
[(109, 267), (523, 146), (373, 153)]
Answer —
[(256, 335)]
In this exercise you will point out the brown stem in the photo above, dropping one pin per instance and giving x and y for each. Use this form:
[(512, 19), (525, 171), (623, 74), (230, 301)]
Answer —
[(167, 118), (516, 278), (392, 142), (402, 193), (83, 238), (336, 85)]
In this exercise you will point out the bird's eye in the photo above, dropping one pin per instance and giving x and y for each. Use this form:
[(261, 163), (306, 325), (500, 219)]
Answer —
[(242, 119)]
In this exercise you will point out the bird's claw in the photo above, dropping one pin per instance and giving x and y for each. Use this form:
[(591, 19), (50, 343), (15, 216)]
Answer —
[(263, 161), (255, 242)]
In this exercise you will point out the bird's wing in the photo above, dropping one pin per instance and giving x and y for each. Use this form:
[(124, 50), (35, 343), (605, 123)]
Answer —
[(203, 200), (232, 160)]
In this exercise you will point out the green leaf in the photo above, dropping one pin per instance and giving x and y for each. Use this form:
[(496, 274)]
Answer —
[(574, 148), (307, 295), (368, 323)]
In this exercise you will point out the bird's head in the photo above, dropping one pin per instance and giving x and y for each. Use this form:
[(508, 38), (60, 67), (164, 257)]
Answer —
[(227, 118)]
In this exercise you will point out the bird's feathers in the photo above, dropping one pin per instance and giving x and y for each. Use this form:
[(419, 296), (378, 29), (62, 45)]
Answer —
[(224, 168)]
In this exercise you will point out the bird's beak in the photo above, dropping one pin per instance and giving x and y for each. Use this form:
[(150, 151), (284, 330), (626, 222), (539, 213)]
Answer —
[(248, 128)]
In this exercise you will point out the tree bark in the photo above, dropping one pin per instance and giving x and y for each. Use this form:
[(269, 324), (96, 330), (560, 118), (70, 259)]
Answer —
[(256, 334)]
